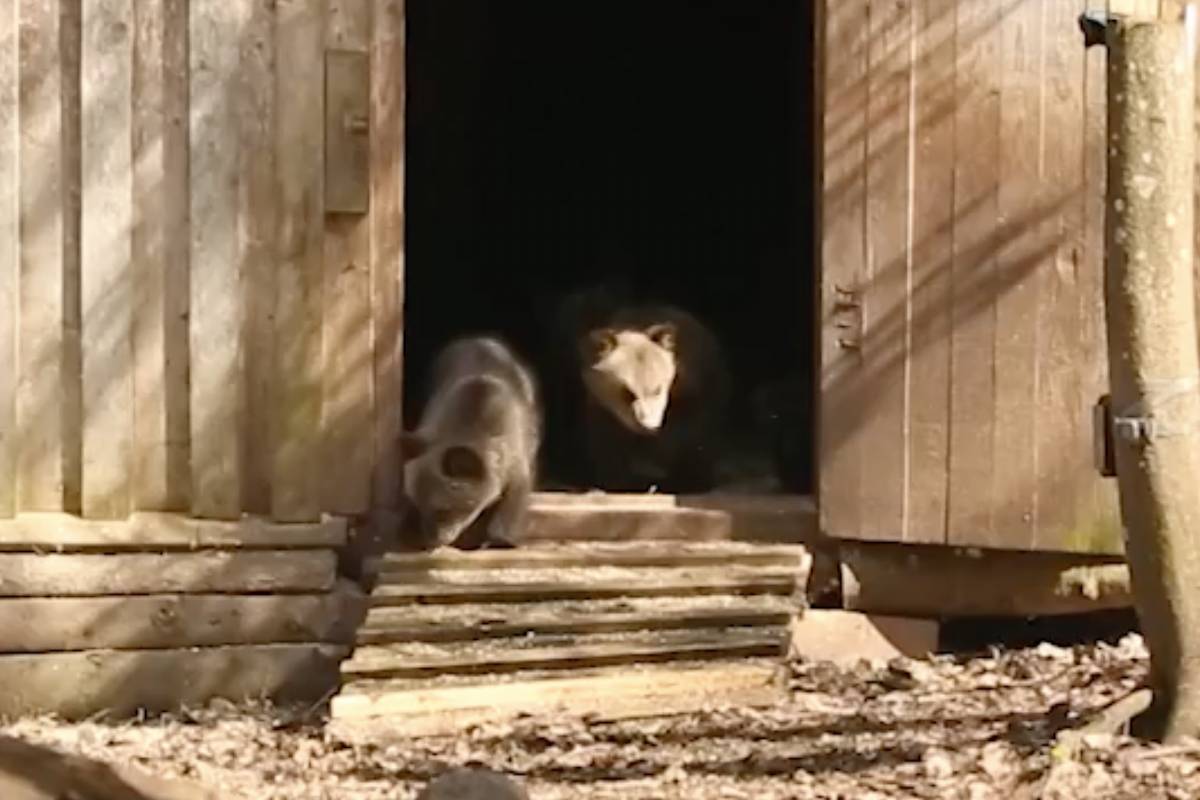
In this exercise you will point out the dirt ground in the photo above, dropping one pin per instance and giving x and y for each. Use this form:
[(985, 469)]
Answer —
[(952, 727)]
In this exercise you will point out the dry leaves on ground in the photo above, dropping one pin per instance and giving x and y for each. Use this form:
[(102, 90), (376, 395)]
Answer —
[(949, 727)]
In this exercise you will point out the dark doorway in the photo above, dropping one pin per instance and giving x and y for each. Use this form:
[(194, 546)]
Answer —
[(554, 144)]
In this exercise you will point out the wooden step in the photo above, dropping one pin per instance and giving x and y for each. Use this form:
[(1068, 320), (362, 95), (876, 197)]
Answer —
[(599, 554), (499, 588), (549, 652), (386, 625), (599, 516), (378, 710)]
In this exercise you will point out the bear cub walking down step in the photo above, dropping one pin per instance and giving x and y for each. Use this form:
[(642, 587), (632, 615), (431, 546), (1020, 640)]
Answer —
[(469, 467), (656, 391)]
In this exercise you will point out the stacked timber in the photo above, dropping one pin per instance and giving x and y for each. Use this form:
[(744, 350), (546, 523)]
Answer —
[(603, 630), (161, 611)]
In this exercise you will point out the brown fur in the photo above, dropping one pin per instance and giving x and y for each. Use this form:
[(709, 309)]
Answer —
[(470, 464), (473, 784), (638, 360)]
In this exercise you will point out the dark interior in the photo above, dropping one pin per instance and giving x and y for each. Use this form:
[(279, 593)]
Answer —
[(556, 144)]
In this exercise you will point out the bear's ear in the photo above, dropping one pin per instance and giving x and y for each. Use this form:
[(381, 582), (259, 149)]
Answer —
[(598, 344), (411, 446), (662, 335)]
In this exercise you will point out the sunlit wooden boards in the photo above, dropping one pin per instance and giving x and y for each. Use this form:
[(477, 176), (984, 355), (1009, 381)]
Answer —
[(100, 617), (604, 630), (618, 517)]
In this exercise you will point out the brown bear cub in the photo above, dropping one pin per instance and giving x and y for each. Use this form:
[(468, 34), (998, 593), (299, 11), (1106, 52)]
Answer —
[(469, 467), (656, 391)]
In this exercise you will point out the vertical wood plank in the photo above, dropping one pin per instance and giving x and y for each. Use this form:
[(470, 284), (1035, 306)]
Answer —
[(300, 28), (40, 402), (70, 67), (1102, 500), (160, 479), (347, 364), (216, 293), (178, 251), (1022, 253), (932, 240), (107, 271), (387, 241), (884, 480), (259, 219), (976, 179), (1064, 448), (9, 255), (843, 262)]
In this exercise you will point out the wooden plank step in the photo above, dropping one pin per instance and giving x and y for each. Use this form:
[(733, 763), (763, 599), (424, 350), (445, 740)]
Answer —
[(50, 624), (599, 554), (386, 625), (370, 710), (208, 571), (597, 516), (149, 531), (120, 683), (520, 589), (509, 655)]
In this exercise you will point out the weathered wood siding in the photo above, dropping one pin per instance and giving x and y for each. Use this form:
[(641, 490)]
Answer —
[(963, 190), (182, 326)]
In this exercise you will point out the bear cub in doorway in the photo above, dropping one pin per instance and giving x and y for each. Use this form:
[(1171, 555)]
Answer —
[(656, 389), (469, 466)]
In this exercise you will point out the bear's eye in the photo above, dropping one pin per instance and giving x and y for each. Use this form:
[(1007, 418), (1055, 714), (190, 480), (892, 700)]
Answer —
[(627, 395)]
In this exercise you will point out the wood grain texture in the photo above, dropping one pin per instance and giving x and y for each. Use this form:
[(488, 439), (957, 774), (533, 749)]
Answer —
[(929, 287), (24, 575), (258, 205), (682, 583), (71, 387), (602, 694), (157, 531), (976, 183), (886, 311), (347, 418), (66, 624), (395, 625), (176, 373), (107, 274), (530, 653), (119, 684), (1065, 391), (41, 345), (10, 265), (946, 582), (843, 264), (387, 242), (149, 236), (216, 308), (299, 32), (1020, 258), (1099, 517)]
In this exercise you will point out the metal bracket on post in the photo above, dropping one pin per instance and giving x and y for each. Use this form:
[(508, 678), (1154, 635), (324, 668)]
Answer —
[(1134, 430)]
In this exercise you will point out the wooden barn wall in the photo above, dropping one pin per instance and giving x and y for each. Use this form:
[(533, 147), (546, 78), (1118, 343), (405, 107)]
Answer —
[(182, 326), (963, 210)]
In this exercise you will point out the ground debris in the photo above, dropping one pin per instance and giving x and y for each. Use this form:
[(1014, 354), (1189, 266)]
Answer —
[(979, 727)]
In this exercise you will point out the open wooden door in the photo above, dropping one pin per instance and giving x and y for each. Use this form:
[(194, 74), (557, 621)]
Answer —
[(962, 317)]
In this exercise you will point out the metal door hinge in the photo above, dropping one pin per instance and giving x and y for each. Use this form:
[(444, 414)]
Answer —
[(1103, 455), (847, 317)]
